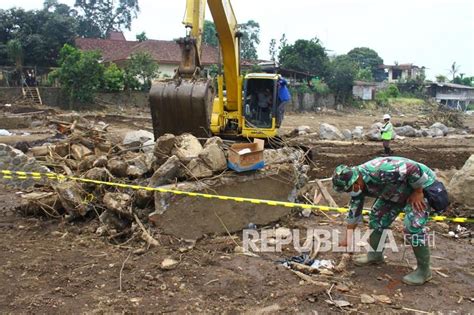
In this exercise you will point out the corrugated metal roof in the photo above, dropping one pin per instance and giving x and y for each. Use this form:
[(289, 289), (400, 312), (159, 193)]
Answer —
[(452, 85)]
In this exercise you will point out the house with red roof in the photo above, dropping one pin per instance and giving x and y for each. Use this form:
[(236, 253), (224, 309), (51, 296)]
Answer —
[(167, 54)]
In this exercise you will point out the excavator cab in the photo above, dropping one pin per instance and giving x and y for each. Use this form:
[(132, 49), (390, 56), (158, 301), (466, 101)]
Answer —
[(259, 102)]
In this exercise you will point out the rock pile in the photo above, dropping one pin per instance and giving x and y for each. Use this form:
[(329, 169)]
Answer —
[(330, 132), (90, 152)]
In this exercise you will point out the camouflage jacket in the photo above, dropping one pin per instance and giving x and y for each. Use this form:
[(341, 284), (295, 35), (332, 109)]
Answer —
[(389, 178)]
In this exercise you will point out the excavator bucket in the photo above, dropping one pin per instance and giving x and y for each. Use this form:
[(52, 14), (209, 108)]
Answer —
[(180, 106)]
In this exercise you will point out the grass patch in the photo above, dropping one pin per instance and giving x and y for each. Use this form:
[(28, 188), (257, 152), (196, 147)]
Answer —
[(405, 101)]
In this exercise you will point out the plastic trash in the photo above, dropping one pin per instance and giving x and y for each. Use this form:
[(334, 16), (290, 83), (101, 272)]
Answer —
[(243, 151), (322, 263), (252, 226)]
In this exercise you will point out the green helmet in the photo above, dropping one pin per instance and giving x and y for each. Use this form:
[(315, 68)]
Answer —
[(344, 177)]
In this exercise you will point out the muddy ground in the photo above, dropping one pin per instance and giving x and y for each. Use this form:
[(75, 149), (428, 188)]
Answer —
[(52, 266)]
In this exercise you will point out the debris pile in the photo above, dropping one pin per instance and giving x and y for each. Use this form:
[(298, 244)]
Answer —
[(88, 151)]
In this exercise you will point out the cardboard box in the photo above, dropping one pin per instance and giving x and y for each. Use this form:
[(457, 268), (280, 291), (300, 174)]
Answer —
[(246, 156)]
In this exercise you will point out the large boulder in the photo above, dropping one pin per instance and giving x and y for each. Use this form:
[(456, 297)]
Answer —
[(97, 173), (101, 161), (117, 167), (86, 163), (166, 173), (138, 137), (435, 132), (301, 130), (214, 157), (140, 165), (79, 151), (197, 168), (376, 125), (358, 132), (71, 196), (187, 147), (163, 147), (113, 221), (440, 126), (405, 131), (119, 203), (347, 134), (148, 146), (214, 140), (330, 132), (461, 186), (373, 135)]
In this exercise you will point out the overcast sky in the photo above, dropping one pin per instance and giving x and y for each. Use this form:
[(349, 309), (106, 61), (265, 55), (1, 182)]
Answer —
[(430, 33)]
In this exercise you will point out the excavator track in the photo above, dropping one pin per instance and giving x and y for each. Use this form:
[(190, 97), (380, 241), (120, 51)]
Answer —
[(181, 106)]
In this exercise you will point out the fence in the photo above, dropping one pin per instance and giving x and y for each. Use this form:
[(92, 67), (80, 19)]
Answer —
[(55, 97)]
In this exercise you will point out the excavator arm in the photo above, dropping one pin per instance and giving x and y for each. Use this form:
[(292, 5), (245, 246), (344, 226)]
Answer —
[(191, 44), (227, 28), (186, 103)]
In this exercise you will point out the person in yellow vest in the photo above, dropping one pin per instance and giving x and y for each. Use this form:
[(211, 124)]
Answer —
[(386, 134)]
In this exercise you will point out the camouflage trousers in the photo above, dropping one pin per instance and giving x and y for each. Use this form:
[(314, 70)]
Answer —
[(384, 213)]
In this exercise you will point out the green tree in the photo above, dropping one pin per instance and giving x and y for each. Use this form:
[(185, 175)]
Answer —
[(100, 17), (213, 70), (79, 74), (283, 42), (415, 87), (272, 49), (469, 81), (250, 40), (305, 56), (364, 74), (15, 52), (343, 71), (461, 79), (141, 37), (42, 33), (113, 79), (365, 57), (319, 86), (209, 33), (441, 78), (140, 71), (392, 91)]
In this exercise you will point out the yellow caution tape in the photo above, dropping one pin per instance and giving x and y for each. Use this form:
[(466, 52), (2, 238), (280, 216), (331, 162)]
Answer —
[(6, 174)]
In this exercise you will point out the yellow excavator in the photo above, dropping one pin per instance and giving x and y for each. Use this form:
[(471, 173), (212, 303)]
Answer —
[(244, 106)]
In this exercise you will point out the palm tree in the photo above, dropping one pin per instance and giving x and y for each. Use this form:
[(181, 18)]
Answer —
[(454, 69)]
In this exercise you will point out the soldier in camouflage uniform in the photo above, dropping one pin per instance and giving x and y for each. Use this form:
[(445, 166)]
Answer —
[(398, 185)]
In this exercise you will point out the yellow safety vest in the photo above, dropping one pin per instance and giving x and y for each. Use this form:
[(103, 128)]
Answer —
[(387, 131)]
